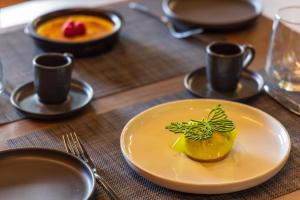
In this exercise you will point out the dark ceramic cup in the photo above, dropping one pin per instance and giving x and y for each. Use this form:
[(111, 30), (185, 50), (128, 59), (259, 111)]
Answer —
[(52, 76), (225, 63)]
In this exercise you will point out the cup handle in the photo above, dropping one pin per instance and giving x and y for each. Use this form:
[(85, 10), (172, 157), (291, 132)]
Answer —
[(69, 55), (249, 55)]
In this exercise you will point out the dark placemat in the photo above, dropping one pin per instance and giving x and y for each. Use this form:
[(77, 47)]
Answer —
[(7, 112), (101, 134), (145, 54)]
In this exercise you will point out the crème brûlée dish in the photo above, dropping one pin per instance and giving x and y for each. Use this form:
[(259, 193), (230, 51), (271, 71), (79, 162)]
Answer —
[(208, 139), (75, 28)]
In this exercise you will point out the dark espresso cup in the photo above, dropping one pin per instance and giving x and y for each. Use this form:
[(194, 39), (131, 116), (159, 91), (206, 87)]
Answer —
[(225, 63), (52, 76)]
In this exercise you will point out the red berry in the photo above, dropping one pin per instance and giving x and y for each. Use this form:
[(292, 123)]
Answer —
[(80, 28), (69, 29), (69, 32), (69, 23)]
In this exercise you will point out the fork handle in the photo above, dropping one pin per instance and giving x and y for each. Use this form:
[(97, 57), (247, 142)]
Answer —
[(145, 10), (106, 187)]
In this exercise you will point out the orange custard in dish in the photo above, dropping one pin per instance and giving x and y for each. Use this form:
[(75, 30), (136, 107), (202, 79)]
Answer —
[(75, 28)]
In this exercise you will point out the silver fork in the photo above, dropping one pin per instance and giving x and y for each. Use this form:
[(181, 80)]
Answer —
[(75, 147), (163, 19)]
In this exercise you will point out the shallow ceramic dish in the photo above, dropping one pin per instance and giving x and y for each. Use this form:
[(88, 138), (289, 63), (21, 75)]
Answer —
[(35, 173), (84, 48), (25, 99), (217, 15), (146, 146), (250, 84)]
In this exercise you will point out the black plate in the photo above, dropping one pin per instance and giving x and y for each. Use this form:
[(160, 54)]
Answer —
[(86, 48), (26, 100), (213, 14), (35, 174), (250, 84)]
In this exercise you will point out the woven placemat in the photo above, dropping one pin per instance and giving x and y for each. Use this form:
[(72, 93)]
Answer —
[(146, 53), (101, 134), (7, 112)]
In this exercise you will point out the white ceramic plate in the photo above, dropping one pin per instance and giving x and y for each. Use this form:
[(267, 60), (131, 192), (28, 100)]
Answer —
[(261, 149)]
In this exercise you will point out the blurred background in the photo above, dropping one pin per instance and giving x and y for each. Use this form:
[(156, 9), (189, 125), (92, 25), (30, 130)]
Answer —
[(15, 12)]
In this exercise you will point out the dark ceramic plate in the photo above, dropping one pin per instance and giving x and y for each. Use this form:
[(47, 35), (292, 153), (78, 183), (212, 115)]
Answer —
[(35, 174), (250, 84), (213, 14), (85, 48), (26, 100)]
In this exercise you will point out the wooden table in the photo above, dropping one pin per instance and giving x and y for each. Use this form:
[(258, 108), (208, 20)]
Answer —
[(258, 36), (9, 2)]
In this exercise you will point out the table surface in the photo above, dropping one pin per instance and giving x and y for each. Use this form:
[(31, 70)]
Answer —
[(258, 36)]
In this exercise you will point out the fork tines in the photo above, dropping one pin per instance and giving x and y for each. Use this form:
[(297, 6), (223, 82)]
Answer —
[(73, 145)]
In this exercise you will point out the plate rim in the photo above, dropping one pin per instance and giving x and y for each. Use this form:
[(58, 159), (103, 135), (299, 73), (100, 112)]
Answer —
[(266, 175), (56, 151), (236, 24)]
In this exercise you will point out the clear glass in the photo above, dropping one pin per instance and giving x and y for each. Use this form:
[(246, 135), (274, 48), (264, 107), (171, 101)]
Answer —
[(283, 61), (1, 67), (1, 78)]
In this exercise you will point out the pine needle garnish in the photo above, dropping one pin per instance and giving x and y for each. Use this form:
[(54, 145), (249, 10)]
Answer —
[(217, 121)]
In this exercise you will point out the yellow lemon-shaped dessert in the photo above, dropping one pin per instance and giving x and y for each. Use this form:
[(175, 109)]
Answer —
[(208, 139), (212, 149)]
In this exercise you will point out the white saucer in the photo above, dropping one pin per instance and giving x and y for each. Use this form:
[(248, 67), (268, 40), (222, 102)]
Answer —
[(261, 149)]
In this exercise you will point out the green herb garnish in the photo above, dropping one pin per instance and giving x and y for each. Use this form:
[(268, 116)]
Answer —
[(217, 121)]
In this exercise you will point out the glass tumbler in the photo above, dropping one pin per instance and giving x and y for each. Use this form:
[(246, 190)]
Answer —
[(1, 78), (1, 67), (283, 60)]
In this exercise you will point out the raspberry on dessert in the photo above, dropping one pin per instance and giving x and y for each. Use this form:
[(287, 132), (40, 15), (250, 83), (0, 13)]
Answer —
[(69, 32), (69, 29), (69, 23), (80, 28)]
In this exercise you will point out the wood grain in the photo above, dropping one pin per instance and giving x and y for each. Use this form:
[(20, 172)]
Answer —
[(5, 3), (292, 196)]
